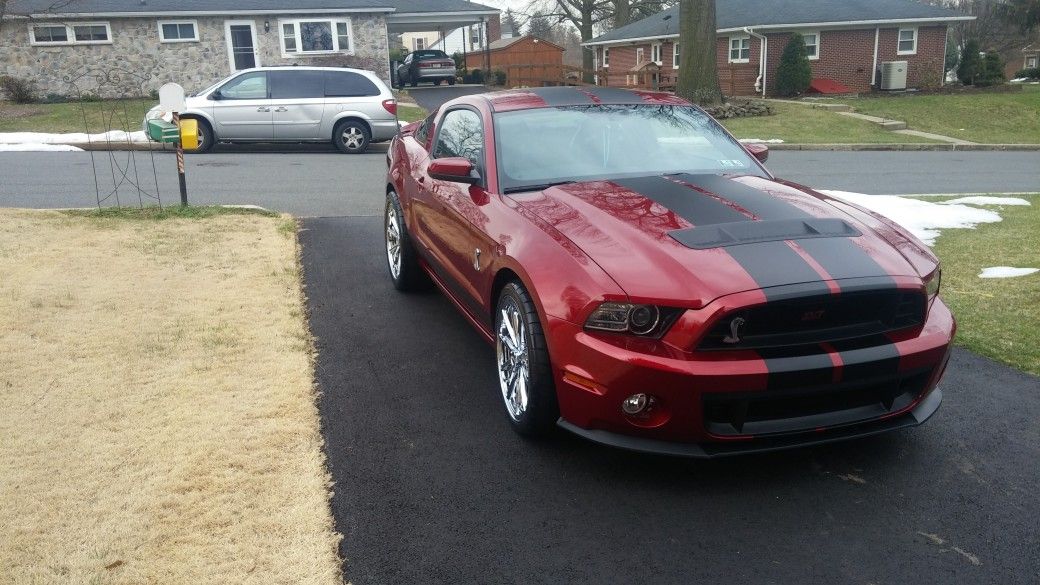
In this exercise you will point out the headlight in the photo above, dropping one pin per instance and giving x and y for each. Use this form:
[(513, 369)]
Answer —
[(932, 283), (630, 318)]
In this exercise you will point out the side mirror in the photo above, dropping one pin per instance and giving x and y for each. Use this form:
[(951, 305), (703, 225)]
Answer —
[(455, 169), (758, 150), (216, 96)]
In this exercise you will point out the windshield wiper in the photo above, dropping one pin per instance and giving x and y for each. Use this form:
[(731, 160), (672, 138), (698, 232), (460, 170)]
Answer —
[(541, 187)]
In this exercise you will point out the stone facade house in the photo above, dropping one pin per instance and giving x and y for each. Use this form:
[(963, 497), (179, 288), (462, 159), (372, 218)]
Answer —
[(131, 47), (848, 42)]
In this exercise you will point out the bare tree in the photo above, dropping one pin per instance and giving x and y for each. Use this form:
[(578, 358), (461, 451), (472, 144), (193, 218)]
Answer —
[(698, 71)]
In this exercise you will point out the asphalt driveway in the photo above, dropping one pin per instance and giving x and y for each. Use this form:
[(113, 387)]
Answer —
[(432, 486)]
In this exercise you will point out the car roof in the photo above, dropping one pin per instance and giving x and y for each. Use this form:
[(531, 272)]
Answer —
[(549, 97), (305, 68)]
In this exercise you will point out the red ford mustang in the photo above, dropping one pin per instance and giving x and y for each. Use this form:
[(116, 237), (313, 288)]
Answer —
[(648, 284)]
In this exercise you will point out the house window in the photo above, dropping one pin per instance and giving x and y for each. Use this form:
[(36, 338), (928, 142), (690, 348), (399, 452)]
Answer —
[(675, 55), (639, 56), (907, 41), (181, 31), (1031, 62), (655, 53), (812, 44), (739, 49), (302, 37), (86, 33), (418, 44), (606, 57)]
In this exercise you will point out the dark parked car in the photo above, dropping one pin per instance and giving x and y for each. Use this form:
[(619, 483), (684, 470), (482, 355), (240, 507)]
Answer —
[(647, 283), (432, 66)]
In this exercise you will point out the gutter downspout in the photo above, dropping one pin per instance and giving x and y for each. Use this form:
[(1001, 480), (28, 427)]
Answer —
[(762, 60), (873, 71)]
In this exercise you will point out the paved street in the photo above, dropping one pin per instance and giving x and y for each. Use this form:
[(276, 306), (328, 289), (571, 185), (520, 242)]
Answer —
[(432, 486), (314, 181)]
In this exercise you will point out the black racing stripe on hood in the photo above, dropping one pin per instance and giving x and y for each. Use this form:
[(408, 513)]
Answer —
[(696, 208), (772, 264), (763, 205), (769, 264), (839, 256)]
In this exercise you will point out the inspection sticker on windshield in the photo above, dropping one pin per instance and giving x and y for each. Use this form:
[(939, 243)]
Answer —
[(731, 163)]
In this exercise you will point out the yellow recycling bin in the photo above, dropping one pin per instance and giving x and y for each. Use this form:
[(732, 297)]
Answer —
[(189, 133)]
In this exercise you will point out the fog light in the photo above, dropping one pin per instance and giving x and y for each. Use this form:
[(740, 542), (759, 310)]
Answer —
[(635, 404)]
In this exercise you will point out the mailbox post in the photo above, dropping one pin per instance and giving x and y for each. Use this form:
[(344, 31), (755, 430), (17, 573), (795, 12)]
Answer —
[(171, 98)]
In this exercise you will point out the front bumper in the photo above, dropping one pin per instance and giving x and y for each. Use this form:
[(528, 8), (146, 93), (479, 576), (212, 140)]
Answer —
[(798, 400)]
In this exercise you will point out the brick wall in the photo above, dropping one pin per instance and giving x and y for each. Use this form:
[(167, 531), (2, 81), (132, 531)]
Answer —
[(846, 56)]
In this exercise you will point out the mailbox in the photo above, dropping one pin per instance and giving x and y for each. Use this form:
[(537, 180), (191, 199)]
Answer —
[(189, 133), (160, 130)]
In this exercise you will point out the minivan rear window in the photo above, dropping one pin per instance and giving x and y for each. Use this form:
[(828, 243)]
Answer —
[(347, 84), (303, 84)]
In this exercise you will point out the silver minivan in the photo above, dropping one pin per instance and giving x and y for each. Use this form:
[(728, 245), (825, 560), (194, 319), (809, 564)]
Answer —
[(350, 107)]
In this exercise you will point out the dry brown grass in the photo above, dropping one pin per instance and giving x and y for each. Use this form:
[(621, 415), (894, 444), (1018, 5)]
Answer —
[(157, 413)]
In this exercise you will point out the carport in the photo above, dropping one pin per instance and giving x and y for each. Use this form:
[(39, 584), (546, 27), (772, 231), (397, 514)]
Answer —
[(443, 16)]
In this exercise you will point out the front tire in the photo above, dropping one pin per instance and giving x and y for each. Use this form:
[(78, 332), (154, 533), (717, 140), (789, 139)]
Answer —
[(401, 258), (524, 370), (351, 137), (451, 81)]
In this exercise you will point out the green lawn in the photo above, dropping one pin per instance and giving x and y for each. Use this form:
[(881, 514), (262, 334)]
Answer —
[(804, 125), (998, 318), (61, 118), (993, 118), (409, 113)]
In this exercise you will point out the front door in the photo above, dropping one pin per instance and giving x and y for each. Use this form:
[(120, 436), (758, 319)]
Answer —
[(241, 42), (455, 220), (242, 108)]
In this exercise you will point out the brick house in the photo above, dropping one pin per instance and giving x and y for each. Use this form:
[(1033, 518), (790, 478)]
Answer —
[(131, 47), (847, 41)]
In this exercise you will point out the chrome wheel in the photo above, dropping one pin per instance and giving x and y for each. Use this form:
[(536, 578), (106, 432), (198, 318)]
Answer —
[(393, 241), (352, 137), (513, 359)]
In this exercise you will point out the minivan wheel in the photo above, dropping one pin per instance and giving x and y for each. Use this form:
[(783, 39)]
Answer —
[(351, 137), (206, 137), (451, 81), (436, 81)]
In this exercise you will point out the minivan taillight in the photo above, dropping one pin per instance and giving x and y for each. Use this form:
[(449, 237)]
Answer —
[(390, 106)]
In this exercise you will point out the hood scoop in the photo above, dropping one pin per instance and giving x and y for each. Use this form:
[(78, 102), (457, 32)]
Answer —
[(720, 235)]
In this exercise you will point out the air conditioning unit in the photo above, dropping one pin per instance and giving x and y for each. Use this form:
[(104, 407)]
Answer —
[(893, 75)]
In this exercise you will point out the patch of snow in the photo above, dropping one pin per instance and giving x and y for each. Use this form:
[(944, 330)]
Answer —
[(761, 140), (1006, 272), (35, 147), (72, 138), (924, 219), (985, 200)]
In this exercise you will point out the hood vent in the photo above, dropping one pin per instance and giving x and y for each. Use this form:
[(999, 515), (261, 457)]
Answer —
[(750, 232)]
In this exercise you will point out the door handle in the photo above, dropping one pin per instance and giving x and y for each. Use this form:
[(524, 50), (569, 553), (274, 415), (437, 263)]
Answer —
[(263, 109), (282, 109)]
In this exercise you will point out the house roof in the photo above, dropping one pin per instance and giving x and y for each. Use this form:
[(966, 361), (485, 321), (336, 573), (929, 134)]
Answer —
[(507, 42), (149, 7), (733, 15)]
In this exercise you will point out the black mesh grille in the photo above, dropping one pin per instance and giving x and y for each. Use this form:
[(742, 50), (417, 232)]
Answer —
[(787, 412), (819, 319)]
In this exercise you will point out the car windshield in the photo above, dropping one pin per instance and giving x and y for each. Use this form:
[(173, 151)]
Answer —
[(420, 55), (539, 147)]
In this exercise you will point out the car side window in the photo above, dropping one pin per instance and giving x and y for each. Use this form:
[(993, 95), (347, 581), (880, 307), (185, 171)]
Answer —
[(423, 132), (305, 84), (251, 86), (347, 84), (461, 134)]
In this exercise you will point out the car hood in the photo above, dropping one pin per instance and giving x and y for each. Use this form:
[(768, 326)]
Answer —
[(688, 239)]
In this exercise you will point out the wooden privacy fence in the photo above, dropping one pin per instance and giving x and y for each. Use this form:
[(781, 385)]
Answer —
[(547, 74)]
